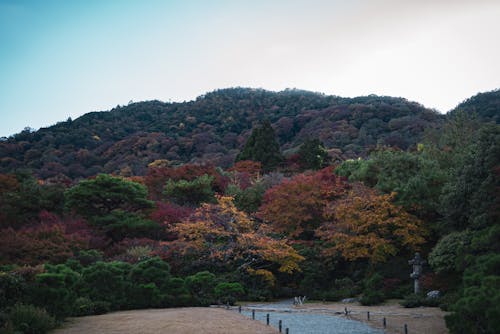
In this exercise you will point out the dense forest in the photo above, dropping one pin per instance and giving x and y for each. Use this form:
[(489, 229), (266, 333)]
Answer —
[(246, 194), (213, 129)]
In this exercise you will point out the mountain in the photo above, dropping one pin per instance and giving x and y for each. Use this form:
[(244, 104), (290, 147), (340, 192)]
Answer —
[(212, 129), (485, 106)]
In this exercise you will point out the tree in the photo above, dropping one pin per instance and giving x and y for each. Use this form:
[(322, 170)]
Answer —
[(114, 204), (415, 178), (105, 193), (55, 289), (53, 240), (220, 235), (313, 154), (228, 292), (262, 147), (108, 282), (23, 197), (192, 193), (365, 225), (476, 311), (201, 286), (448, 255), (471, 197), (296, 207)]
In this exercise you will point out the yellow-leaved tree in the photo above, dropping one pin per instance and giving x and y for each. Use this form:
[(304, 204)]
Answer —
[(367, 225), (221, 234)]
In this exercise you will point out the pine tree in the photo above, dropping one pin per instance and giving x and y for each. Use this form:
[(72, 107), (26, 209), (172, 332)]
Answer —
[(313, 154), (262, 147)]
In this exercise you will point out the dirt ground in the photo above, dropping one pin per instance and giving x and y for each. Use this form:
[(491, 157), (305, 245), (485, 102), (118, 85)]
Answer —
[(166, 321), (420, 320)]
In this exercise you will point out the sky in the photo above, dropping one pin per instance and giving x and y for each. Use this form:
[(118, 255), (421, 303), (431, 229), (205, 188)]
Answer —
[(61, 58)]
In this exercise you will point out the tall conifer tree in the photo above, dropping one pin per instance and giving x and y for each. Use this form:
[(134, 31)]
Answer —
[(262, 147)]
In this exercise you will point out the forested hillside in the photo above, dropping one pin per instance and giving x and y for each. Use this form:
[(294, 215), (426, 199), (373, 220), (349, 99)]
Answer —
[(484, 105), (267, 204), (213, 129)]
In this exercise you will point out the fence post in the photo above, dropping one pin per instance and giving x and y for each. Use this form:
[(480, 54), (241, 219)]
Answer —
[(368, 315), (406, 329), (253, 314), (267, 319), (286, 331), (239, 309), (279, 325), (385, 323)]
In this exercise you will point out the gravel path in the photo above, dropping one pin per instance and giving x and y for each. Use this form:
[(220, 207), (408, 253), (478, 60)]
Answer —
[(420, 320)]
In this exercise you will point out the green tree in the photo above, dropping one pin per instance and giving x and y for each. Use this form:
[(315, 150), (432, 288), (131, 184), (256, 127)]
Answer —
[(119, 224), (262, 147), (470, 198), (55, 289), (449, 253), (227, 293), (313, 154), (184, 192), (477, 310), (201, 287), (116, 205), (416, 178), (100, 196), (108, 282)]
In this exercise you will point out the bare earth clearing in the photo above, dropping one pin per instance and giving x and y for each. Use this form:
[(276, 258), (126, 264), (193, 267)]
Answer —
[(193, 320), (421, 320)]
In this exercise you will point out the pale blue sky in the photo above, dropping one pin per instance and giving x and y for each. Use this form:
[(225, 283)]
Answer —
[(61, 59)]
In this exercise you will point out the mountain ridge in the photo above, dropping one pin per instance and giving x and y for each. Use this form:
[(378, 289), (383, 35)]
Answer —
[(213, 128)]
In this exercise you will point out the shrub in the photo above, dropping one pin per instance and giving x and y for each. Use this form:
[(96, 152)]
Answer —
[(101, 307), (177, 294), (372, 298), (200, 286), (84, 306), (477, 309), (413, 300), (29, 319), (108, 281), (55, 290), (12, 289), (87, 257), (373, 290), (227, 293)]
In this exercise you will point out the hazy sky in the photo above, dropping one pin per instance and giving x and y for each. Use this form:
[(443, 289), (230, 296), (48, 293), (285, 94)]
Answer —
[(61, 59)]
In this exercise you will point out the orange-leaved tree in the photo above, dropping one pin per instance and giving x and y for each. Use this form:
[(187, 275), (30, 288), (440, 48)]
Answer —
[(221, 234), (367, 225), (296, 207)]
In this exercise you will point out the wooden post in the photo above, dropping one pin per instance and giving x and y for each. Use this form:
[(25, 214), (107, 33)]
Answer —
[(239, 309), (253, 314), (286, 331), (385, 323), (345, 310), (267, 319), (406, 329), (368, 315), (279, 325)]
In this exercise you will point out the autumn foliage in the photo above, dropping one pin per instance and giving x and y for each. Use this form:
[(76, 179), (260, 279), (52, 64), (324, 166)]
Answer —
[(297, 206), (221, 233), (366, 225)]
